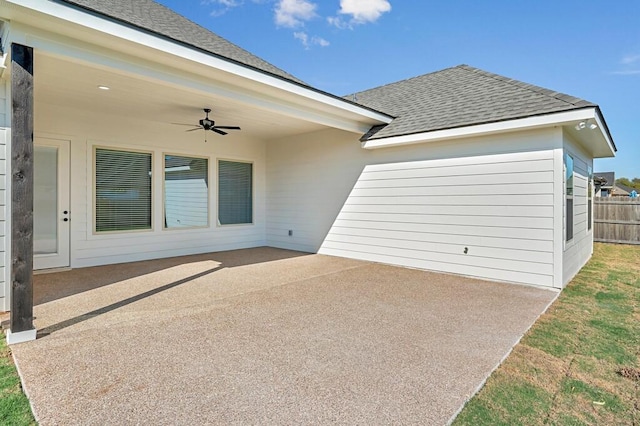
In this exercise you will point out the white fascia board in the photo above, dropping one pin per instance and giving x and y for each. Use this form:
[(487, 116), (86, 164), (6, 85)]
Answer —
[(556, 119), (602, 126), (143, 38)]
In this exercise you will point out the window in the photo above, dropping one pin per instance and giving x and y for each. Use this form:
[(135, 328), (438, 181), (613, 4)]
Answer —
[(235, 192), (568, 164), (589, 198), (186, 192), (122, 191)]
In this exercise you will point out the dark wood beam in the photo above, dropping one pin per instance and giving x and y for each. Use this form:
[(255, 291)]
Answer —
[(21, 189)]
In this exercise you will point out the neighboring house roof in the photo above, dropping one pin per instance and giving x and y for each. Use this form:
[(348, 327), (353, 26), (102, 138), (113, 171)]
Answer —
[(619, 189), (610, 177), (160, 20), (457, 97)]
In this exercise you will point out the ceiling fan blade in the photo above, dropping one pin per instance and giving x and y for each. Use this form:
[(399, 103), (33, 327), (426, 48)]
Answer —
[(228, 127), (193, 130), (215, 129), (184, 124)]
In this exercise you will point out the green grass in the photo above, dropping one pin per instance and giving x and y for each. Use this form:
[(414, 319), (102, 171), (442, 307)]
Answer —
[(14, 405), (565, 370)]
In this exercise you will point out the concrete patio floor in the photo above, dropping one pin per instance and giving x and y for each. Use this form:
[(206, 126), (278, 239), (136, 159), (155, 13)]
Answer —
[(265, 336)]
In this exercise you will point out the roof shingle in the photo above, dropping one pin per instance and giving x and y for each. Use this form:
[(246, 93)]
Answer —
[(160, 20), (457, 97)]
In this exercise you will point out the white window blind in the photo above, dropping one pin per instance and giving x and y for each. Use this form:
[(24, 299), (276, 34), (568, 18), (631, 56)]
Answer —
[(186, 192), (123, 190), (235, 192)]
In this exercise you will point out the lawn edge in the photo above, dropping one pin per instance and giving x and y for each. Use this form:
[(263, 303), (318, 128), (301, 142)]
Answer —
[(20, 376), (504, 358)]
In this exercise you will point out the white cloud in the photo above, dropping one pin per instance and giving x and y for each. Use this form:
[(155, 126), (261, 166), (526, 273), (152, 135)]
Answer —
[(320, 41), (307, 42), (287, 13), (627, 72), (630, 59), (303, 37), (361, 11), (293, 13), (224, 5), (630, 65), (338, 22)]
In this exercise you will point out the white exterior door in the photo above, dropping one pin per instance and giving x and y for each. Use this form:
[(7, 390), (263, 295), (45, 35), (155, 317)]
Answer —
[(51, 213)]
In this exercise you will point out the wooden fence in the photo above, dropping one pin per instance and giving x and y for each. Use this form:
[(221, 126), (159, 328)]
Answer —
[(617, 220)]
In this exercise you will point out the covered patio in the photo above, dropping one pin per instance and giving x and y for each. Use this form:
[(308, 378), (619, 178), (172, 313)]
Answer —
[(104, 128), (265, 335)]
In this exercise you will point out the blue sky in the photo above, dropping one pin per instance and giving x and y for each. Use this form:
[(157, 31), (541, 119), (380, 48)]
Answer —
[(588, 48)]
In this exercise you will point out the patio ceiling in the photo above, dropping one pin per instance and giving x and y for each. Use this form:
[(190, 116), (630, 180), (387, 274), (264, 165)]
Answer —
[(64, 83)]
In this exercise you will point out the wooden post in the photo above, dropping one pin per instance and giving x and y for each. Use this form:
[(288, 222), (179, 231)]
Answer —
[(21, 320)]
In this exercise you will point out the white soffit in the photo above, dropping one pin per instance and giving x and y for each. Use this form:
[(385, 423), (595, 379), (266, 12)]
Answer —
[(599, 142), (159, 48), (64, 85)]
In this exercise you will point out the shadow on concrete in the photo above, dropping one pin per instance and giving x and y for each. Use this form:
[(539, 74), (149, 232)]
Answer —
[(105, 309), (54, 286), (57, 285)]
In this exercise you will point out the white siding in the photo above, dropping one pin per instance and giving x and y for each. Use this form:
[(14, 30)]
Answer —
[(86, 130), (578, 250), (420, 206), (4, 103)]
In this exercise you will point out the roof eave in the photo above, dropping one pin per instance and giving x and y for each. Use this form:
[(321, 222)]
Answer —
[(605, 148), (143, 37)]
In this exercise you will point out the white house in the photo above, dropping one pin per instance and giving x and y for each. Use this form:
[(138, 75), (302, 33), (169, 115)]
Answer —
[(460, 171)]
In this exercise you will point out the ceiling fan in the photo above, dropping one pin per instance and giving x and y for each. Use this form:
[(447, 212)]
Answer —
[(208, 124)]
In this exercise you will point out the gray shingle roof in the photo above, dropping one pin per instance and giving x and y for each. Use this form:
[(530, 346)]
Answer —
[(610, 177), (625, 188), (160, 20), (458, 97)]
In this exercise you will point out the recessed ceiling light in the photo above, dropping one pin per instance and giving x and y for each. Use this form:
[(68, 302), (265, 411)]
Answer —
[(104, 87)]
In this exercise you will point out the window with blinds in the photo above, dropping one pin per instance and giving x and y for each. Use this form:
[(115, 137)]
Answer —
[(568, 166), (235, 192), (122, 190), (186, 192)]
